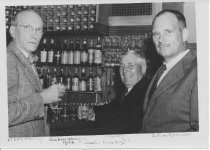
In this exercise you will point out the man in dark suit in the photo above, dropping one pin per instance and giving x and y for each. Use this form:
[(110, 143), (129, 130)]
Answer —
[(171, 100), (26, 98), (124, 115)]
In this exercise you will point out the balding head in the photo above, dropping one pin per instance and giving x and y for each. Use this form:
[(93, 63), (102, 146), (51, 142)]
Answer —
[(26, 30), (28, 15)]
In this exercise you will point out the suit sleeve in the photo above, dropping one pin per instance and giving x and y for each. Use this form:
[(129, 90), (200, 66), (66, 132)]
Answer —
[(194, 105), (25, 109), (105, 112)]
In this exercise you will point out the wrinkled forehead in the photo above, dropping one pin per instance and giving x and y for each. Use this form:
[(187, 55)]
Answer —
[(29, 18), (129, 59)]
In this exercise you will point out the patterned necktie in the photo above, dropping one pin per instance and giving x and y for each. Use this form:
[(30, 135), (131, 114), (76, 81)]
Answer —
[(154, 85), (32, 59)]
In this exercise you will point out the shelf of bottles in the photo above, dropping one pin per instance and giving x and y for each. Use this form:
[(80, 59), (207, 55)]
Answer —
[(76, 63), (60, 17), (115, 46)]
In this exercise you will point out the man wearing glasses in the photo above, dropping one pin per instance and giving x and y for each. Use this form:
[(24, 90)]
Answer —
[(123, 115), (26, 98)]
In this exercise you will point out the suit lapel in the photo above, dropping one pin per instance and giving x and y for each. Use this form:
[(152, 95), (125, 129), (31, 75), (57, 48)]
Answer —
[(171, 77), (174, 75), (25, 65)]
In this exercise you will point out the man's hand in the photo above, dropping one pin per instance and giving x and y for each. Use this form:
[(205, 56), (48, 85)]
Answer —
[(53, 93), (86, 112)]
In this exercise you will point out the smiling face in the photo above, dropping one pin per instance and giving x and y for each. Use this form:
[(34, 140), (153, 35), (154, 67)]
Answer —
[(27, 40), (130, 70), (169, 38)]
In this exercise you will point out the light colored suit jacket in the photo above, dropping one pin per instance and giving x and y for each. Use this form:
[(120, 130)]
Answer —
[(173, 106), (25, 104)]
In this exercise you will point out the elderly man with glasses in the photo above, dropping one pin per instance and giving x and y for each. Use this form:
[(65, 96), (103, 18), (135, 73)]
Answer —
[(26, 98)]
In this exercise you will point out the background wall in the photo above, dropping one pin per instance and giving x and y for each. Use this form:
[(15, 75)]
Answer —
[(187, 8), (189, 12)]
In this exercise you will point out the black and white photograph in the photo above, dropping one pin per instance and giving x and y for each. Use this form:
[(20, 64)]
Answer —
[(105, 74)]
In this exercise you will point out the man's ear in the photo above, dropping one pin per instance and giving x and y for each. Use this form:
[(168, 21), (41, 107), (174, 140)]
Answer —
[(185, 34), (12, 31)]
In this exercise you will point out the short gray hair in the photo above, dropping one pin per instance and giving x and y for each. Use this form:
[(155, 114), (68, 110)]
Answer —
[(141, 60)]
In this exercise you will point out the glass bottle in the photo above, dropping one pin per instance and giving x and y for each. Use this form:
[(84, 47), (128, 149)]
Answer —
[(91, 53), (51, 52), (77, 52), (57, 58), (84, 53), (43, 52), (60, 77), (90, 80), (82, 80), (54, 77), (64, 55), (75, 80), (68, 81), (71, 53), (98, 80), (98, 53)]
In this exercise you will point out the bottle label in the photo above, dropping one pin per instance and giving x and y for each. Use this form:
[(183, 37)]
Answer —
[(98, 57), (75, 84), (71, 58), (90, 55), (82, 85), (50, 56), (90, 84), (77, 57), (64, 57), (97, 84), (43, 56), (84, 57)]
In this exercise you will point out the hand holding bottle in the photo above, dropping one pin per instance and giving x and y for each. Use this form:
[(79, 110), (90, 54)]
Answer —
[(53, 93)]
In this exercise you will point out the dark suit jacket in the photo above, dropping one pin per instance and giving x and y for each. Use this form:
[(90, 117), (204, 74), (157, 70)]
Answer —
[(25, 105), (123, 115), (173, 106)]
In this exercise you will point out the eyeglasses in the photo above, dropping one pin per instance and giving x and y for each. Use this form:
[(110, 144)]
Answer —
[(29, 28), (129, 67)]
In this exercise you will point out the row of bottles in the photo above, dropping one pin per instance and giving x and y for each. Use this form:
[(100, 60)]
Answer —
[(65, 112), (125, 43), (72, 53), (115, 46), (60, 17), (75, 79)]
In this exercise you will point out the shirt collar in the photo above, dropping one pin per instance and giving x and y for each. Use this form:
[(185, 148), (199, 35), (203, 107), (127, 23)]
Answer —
[(172, 62)]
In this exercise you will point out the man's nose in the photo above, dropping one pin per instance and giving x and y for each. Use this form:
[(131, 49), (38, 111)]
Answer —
[(161, 38), (35, 34), (125, 70)]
